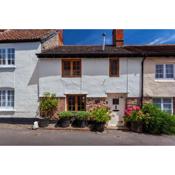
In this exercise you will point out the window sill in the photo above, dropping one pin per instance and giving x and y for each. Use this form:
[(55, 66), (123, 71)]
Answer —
[(7, 67), (165, 80), (72, 77), (7, 110)]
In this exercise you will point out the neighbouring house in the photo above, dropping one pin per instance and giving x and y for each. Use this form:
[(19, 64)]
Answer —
[(19, 70), (82, 76)]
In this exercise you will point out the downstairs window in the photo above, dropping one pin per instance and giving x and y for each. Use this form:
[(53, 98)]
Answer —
[(76, 102), (6, 98), (165, 104)]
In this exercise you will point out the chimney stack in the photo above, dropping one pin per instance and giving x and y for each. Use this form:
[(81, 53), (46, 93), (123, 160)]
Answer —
[(118, 37), (60, 38)]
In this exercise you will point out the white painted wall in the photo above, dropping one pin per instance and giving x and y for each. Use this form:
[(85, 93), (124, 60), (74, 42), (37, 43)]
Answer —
[(95, 80), (23, 78)]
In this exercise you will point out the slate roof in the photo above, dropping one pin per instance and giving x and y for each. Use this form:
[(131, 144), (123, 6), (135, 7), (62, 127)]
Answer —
[(24, 35), (96, 51)]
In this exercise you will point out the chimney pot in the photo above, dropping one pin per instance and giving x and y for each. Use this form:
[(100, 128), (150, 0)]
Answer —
[(118, 37)]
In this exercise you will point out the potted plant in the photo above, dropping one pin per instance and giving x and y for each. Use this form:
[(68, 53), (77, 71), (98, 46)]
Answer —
[(64, 119), (136, 119), (99, 116), (81, 118), (48, 105), (130, 118)]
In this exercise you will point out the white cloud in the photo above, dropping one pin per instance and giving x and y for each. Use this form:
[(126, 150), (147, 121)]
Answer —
[(163, 40)]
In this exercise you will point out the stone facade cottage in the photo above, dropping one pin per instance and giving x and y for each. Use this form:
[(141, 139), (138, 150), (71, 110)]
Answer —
[(82, 76)]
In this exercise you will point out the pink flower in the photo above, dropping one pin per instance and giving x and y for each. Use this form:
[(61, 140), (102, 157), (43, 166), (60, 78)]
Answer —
[(129, 110)]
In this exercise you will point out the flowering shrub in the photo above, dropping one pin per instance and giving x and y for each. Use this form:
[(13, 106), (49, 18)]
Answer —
[(153, 120), (100, 114), (133, 114), (129, 110), (48, 105), (157, 121)]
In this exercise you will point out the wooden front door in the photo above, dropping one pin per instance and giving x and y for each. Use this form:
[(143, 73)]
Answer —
[(76, 102)]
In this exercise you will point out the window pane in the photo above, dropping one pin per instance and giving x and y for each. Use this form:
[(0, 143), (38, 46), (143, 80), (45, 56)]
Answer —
[(6, 98), (10, 98), (81, 103), (167, 100), (167, 105), (71, 103), (169, 71), (157, 102), (2, 57), (76, 68), (167, 108), (11, 56), (66, 68), (76, 102), (115, 101), (159, 71)]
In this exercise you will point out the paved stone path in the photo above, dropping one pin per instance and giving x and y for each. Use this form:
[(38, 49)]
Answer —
[(23, 135)]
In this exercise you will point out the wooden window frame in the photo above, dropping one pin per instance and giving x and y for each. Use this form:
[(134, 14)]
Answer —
[(76, 101), (71, 62), (118, 67)]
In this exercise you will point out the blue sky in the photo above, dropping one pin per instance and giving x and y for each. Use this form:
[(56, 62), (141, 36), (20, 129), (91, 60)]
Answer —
[(131, 37)]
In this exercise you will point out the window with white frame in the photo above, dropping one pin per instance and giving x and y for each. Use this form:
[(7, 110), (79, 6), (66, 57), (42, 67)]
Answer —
[(7, 56), (165, 104), (6, 98), (164, 71)]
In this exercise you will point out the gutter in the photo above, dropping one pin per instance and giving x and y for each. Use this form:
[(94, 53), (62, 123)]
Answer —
[(142, 80)]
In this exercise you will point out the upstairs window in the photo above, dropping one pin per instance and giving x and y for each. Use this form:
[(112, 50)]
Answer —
[(11, 56), (164, 71), (2, 56), (71, 68), (114, 67), (7, 57)]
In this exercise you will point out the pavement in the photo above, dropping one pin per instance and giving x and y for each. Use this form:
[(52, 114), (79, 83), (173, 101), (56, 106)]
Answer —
[(21, 135)]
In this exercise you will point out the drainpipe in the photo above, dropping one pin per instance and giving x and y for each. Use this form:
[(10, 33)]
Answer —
[(142, 80)]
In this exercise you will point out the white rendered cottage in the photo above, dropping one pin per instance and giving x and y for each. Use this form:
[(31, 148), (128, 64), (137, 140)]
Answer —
[(19, 70)]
